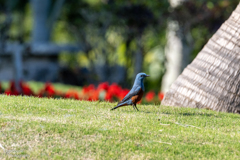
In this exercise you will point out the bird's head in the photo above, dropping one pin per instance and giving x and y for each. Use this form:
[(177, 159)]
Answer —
[(139, 79), (141, 76)]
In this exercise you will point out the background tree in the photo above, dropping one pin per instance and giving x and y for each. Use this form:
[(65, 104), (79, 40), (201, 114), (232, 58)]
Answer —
[(113, 33), (186, 30), (177, 49), (212, 79), (117, 38), (45, 13)]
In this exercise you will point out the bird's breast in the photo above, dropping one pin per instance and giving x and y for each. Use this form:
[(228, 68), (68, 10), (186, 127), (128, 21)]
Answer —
[(137, 97)]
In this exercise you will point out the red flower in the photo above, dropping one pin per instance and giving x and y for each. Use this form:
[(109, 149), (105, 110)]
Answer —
[(12, 90), (123, 93), (48, 91), (108, 97), (1, 90), (7, 92), (103, 86), (93, 96), (114, 90), (160, 96), (12, 86), (71, 94), (40, 94), (89, 93), (86, 89), (150, 96), (139, 101), (26, 89)]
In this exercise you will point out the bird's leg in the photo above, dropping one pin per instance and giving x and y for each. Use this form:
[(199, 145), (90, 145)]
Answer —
[(136, 107), (133, 107)]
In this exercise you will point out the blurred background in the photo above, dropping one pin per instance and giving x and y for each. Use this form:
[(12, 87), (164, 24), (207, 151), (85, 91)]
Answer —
[(83, 42)]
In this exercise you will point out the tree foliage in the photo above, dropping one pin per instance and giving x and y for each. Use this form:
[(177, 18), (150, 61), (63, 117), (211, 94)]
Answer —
[(108, 29)]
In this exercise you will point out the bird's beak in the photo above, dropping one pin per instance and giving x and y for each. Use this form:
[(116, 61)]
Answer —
[(147, 76)]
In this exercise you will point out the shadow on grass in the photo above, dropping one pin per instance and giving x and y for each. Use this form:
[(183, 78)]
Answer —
[(140, 111), (217, 115), (146, 112), (198, 114), (181, 113)]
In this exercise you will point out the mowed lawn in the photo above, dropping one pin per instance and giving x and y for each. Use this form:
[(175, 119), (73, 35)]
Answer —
[(41, 128)]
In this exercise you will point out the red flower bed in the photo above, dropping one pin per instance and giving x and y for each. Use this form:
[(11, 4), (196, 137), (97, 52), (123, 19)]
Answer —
[(103, 91), (150, 96)]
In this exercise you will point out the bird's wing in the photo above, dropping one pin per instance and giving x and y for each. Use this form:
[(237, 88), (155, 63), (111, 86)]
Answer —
[(134, 91)]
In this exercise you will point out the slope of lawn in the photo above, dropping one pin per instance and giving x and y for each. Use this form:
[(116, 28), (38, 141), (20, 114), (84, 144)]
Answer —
[(41, 128)]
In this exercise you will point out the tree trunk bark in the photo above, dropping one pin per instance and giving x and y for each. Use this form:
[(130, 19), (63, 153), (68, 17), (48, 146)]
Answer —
[(212, 80), (138, 60), (41, 27), (44, 18), (177, 50), (43, 67), (177, 53)]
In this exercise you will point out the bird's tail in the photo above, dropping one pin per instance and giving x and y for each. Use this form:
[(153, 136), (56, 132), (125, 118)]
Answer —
[(114, 108), (119, 105)]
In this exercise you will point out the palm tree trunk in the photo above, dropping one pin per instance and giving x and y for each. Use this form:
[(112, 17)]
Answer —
[(212, 80)]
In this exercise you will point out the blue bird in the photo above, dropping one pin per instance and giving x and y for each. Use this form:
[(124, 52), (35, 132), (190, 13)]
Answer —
[(135, 94)]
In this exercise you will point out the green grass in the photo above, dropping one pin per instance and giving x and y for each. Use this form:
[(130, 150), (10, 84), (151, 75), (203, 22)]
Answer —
[(41, 128)]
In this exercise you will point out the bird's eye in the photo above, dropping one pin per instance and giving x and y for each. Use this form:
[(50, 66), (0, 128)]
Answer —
[(141, 75)]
